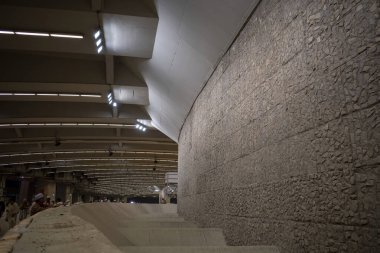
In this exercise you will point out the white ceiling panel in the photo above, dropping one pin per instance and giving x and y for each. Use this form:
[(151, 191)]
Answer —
[(191, 38), (129, 35)]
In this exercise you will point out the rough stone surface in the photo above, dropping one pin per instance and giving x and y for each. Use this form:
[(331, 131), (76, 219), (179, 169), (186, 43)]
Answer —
[(282, 146)]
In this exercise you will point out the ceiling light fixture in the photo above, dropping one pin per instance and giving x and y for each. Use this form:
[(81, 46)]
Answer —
[(111, 99), (47, 94), (100, 49), (97, 34), (50, 94), (33, 34), (84, 151), (68, 95), (6, 32), (24, 94), (70, 36), (43, 34), (66, 124), (98, 42), (140, 127), (91, 95)]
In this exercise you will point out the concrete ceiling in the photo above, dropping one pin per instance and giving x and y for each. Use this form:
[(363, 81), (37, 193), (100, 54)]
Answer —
[(54, 112)]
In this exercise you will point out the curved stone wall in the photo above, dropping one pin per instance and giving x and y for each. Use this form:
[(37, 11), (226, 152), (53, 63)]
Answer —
[(282, 146)]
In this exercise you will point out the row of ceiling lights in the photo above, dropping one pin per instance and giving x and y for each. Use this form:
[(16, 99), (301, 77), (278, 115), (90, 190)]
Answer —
[(64, 124), (111, 99), (110, 170), (98, 41), (50, 94), (102, 165), (42, 34), (140, 127), (97, 35), (88, 152), (90, 159)]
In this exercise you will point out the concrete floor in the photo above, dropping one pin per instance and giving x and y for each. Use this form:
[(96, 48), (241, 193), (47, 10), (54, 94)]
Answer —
[(117, 227)]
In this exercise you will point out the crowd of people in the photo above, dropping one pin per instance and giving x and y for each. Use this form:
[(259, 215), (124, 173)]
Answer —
[(13, 210)]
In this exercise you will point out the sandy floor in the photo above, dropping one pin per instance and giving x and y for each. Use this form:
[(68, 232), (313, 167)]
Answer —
[(118, 227), (57, 230)]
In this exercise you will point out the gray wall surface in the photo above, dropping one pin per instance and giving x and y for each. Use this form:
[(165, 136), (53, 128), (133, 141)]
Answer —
[(282, 146)]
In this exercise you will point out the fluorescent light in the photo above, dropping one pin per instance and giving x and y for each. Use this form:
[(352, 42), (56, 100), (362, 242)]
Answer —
[(6, 94), (69, 124), (144, 129), (47, 94), (100, 49), (52, 124), (110, 101), (19, 124), (24, 94), (84, 124), (117, 125), (33, 34), (137, 126), (98, 42), (91, 95), (36, 124), (68, 95), (114, 104), (97, 34), (71, 36), (6, 32), (4, 125), (109, 95)]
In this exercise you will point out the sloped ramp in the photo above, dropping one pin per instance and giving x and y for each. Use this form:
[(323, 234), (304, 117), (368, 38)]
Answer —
[(118, 227)]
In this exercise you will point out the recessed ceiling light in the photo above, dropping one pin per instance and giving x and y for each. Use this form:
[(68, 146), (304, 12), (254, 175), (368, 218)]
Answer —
[(114, 104), (97, 34), (98, 42), (100, 49), (33, 34), (71, 36)]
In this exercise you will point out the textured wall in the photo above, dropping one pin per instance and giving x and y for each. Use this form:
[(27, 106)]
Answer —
[(283, 144)]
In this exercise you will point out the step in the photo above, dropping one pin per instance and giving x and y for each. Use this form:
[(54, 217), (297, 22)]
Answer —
[(157, 224), (212, 249), (173, 236), (153, 219)]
